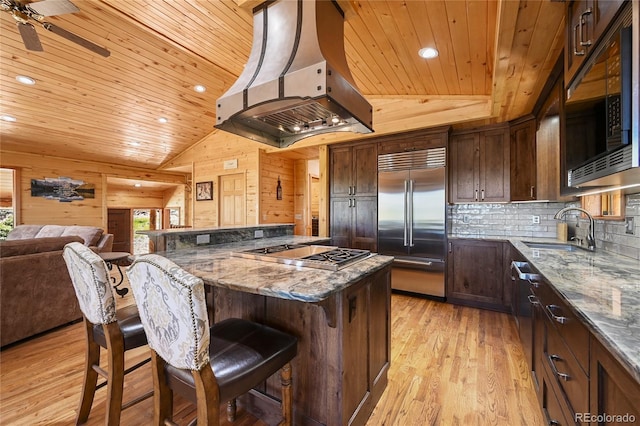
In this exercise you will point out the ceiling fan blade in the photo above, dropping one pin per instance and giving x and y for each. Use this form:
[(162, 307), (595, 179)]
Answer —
[(53, 7), (30, 37), (76, 39)]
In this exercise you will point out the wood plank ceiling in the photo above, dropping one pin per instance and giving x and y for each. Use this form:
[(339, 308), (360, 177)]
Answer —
[(494, 59)]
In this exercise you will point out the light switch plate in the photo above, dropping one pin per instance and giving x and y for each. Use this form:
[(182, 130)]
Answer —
[(628, 225), (258, 234)]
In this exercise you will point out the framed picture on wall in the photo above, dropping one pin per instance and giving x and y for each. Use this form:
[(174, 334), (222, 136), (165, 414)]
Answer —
[(204, 191)]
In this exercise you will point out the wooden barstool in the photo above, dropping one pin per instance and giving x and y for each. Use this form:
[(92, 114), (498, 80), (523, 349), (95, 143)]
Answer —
[(105, 327), (206, 365)]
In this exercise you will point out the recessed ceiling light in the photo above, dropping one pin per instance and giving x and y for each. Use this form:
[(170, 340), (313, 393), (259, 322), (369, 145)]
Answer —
[(137, 185), (162, 120), (7, 118), (24, 79), (428, 53), (135, 143), (199, 88)]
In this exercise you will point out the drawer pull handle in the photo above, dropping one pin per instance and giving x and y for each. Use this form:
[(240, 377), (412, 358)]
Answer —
[(552, 361), (533, 300), (556, 318), (534, 284)]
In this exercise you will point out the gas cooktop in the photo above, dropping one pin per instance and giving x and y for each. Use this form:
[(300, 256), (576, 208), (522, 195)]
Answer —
[(313, 256)]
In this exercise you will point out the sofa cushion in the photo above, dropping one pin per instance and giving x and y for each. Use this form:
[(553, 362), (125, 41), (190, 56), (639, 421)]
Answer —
[(35, 245), (21, 232), (90, 234), (50, 231)]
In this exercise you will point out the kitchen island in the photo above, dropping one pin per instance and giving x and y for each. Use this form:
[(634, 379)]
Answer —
[(341, 319)]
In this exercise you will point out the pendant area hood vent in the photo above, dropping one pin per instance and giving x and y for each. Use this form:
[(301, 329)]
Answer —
[(296, 83)]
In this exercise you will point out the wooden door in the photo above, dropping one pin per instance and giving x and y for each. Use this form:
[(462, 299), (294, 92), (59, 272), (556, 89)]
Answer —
[(523, 161), (463, 168), (340, 221), (232, 200), (119, 224), (365, 225), (494, 165), (341, 163), (475, 275), (365, 170)]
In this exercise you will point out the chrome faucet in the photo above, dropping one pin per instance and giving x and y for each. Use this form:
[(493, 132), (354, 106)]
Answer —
[(591, 240)]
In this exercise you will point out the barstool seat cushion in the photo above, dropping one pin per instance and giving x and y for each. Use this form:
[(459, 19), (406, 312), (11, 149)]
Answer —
[(132, 330), (238, 363)]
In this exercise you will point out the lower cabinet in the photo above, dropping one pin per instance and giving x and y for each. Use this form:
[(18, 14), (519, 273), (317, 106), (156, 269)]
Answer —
[(344, 349), (615, 395), (577, 379), (476, 274), (354, 223)]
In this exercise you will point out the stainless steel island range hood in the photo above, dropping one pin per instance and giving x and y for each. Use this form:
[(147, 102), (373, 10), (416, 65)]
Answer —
[(296, 82)]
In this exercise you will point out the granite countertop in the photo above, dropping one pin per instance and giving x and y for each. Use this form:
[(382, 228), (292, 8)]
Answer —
[(215, 266), (603, 289)]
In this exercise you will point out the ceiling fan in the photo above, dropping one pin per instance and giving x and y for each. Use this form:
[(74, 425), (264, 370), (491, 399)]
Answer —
[(23, 12)]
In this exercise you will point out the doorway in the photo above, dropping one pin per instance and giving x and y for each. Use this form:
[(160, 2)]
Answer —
[(232, 200), (7, 202), (119, 224)]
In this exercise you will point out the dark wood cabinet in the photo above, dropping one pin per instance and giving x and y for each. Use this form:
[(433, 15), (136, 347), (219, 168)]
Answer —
[(354, 170), (615, 395), (354, 222), (587, 20), (353, 216), (479, 166), (475, 274), (344, 348), (523, 177)]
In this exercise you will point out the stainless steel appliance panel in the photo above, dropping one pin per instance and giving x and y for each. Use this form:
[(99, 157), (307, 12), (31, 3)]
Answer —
[(411, 219), (428, 206)]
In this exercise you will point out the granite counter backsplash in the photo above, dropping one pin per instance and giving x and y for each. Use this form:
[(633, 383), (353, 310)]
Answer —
[(480, 220)]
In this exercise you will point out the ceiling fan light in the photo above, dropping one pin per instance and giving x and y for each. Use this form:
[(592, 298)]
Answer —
[(25, 79), (8, 118), (428, 53)]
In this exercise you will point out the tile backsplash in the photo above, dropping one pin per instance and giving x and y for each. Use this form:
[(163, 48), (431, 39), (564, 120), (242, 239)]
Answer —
[(517, 220)]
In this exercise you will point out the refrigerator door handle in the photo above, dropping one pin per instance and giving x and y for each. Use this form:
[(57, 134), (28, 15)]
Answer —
[(410, 225), (405, 211)]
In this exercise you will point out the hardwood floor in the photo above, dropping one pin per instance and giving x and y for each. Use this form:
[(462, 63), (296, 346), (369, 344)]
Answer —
[(451, 365)]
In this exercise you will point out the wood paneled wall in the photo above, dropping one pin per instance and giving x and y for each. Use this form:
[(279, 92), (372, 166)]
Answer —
[(90, 211), (272, 168), (261, 169), (122, 197)]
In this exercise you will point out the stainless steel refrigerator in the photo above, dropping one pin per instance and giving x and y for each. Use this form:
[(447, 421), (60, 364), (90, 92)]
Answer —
[(411, 219)]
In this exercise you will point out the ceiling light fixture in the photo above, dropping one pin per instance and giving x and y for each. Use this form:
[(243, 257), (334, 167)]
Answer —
[(335, 120), (428, 53), (8, 118), (137, 185), (135, 143), (199, 88), (162, 120), (296, 128), (25, 79)]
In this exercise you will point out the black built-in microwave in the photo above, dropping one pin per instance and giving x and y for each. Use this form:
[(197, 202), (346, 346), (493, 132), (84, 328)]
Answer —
[(598, 108)]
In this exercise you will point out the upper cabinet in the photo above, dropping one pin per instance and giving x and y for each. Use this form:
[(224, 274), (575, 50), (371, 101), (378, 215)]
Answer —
[(354, 170), (479, 166), (586, 21), (523, 160)]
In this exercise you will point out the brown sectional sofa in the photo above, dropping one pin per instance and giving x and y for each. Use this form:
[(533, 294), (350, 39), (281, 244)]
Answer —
[(36, 293)]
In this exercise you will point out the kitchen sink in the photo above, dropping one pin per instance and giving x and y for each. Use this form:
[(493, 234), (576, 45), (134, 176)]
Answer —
[(554, 246)]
